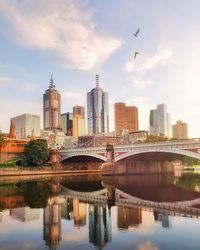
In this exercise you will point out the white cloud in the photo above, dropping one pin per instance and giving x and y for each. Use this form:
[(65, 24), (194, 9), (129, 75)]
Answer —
[(144, 63), (4, 81), (63, 28), (139, 81)]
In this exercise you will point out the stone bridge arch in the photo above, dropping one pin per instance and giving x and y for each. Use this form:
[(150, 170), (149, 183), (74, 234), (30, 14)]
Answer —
[(182, 152), (97, 156)]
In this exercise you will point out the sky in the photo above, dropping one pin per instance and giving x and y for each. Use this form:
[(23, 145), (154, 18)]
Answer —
[(76, 39)]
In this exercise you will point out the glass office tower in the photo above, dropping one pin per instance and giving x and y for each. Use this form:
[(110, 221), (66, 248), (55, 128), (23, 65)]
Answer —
[(97, 110)]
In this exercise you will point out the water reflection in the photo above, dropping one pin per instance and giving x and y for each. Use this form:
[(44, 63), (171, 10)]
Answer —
[(52, 225), (99, 225), (99, 212)]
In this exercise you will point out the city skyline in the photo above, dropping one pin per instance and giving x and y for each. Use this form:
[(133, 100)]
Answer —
[(165, 71)]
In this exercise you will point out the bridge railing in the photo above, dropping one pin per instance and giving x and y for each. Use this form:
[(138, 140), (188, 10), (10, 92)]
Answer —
[(138, 144)]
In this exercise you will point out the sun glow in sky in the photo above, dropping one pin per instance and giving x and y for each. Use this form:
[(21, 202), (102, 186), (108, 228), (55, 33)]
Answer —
[(75, 39)]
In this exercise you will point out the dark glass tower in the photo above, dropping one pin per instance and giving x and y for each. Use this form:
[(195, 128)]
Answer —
[(97, 110)]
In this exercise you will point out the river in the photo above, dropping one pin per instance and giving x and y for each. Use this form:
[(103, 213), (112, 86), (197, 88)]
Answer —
[(136, 212)]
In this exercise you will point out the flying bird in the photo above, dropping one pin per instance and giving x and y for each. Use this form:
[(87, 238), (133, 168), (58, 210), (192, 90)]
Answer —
[(136, 33), (135, 55)]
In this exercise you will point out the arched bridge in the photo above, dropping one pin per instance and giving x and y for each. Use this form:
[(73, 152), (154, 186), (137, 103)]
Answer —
[(186, 148)]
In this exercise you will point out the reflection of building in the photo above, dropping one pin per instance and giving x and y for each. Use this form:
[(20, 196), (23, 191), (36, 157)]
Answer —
[(67, 209), (126, 117), (99, 226), (25, 213), (12, 200), (164, 218), (79, 213), (51, 108), (160, 121), (180, 130), (78, 121), (67, 123), (128, 217), (26, 125), (52, 225), (97, 110)]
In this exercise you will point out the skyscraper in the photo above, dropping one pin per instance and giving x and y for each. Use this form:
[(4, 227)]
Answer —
[(78, 121), (97, 110), (126, 117), (67, 123), (51, 108), (180, 130), (160, 121)]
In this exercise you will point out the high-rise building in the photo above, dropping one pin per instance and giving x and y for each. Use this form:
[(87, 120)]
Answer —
[(126, 118), (67, 123), (26, 125), (180, 130), (51, 108), (160, 121), (97, 110), (78, 121)]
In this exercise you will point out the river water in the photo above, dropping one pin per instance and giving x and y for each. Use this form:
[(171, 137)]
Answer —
[(136, 212)]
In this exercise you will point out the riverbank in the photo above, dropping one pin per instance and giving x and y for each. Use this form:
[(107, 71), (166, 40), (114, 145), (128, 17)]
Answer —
[(23, 172)]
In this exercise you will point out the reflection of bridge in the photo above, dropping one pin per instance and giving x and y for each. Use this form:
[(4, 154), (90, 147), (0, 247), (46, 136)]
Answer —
[(187, 148), (120, 198)]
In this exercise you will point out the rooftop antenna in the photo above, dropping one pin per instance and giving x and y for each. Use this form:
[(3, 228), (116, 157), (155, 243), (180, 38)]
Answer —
[(51, 86), (97, 81)]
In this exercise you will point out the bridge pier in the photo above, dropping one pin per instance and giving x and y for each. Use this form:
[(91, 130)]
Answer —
[(54, 159), (111, 196), (110, 152)]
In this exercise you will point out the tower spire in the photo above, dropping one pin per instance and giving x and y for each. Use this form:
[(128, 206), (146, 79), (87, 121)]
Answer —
[(51, 85), (12, 130), (97, 81)]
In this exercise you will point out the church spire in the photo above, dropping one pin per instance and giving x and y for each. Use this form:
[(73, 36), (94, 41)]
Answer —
[(12, 131), (52, 85)]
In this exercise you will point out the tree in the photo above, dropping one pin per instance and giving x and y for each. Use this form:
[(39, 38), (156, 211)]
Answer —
[(36, 153), (156, 138)]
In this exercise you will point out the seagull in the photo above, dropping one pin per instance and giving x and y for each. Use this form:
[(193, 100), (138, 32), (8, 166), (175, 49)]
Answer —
[(135, 55), (136, 33)]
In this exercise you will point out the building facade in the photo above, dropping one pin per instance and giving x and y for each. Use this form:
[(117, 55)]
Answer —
[(51, 108), (180, 130), (126, 117), (67, 123), (78, 121), (13, 147), (26, 125), (160, 121), (97, 110)]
